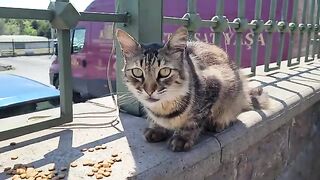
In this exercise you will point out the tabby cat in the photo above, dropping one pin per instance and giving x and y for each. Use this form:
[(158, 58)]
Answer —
[(185, 87)]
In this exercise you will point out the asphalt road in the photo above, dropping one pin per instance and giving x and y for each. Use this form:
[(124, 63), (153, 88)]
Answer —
[(33, 67)]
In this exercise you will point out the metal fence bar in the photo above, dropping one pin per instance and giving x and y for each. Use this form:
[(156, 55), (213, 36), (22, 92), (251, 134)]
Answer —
[(316, 31), (310, 29), (193, 18), (270, 30), (103, 17), (65, 76), (241, 15), (292, 28), (282, 27), (13, 48), (39, 14), (175, 20), (22, 128), (318, 35), (257, 21), (302, 28), (219, 13)]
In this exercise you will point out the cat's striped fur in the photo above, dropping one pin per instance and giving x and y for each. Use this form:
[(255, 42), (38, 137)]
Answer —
[(204, 89)]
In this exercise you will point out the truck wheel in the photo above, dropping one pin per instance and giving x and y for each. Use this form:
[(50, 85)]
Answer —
[(56, 81)]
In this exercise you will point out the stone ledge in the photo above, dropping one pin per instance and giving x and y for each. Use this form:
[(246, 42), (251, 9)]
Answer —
[(292, 90)]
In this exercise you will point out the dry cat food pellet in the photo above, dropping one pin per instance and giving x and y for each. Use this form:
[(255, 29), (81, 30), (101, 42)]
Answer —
[(118, 159), (90, 173), (99, 176), (47, 173), (104, 147), (14, 157), (91, 163), (52, 168), (50, 176), (108, 169), (100, 162), (23, 175), (13, 143), (32, 173), (63, 168), (97, 165), (85, 163), (84, 149), (114, 155), (106, 174), (20, 171), (73, 165), (91, 149), (61, 176), (105, 165), (95, 170), (97, 147), (100, 171), (110, 161), (103, 169)]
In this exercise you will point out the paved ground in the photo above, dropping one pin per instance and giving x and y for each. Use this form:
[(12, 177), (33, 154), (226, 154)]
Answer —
[(33, 67)]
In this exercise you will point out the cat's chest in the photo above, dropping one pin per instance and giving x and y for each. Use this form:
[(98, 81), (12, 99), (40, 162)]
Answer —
[(161, 115)]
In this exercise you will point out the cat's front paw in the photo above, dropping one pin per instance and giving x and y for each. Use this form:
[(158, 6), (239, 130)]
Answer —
[(178, 143), (153, 135)]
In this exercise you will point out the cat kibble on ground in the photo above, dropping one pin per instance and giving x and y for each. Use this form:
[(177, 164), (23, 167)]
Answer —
[(14, 157), (98, 168)]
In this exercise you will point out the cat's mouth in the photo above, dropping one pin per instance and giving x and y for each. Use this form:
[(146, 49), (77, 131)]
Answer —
[(150, 99)]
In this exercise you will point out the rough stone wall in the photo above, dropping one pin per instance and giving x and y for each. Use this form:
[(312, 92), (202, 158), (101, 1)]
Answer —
[(292, 152)]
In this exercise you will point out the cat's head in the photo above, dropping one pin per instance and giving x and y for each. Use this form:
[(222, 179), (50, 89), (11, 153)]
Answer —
[(155, 73)]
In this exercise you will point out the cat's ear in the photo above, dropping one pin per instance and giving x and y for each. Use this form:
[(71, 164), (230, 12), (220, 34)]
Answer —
[(178, 40), (128, 44)]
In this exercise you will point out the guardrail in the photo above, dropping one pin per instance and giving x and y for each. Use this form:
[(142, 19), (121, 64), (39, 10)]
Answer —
[(26, 48), (63, 16)]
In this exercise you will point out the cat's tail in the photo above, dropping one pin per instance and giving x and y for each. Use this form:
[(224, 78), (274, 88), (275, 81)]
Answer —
[(258, 99)]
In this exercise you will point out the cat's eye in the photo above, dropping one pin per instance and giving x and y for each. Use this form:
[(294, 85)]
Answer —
[(164, 72), (136, 72)]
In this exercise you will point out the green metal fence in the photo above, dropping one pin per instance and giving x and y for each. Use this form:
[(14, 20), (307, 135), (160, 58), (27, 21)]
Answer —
[(131, 16), (63, 16)]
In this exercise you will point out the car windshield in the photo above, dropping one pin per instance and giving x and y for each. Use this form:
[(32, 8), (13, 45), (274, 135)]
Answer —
[(78, 39)]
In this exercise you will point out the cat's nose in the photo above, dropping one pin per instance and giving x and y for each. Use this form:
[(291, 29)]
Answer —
[(150, 88), (149, 92)]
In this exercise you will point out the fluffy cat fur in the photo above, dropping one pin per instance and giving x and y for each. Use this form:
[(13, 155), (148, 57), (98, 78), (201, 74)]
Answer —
[(185, 87)]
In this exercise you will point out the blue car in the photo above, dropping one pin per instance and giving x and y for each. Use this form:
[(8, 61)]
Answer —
[(20, 95)]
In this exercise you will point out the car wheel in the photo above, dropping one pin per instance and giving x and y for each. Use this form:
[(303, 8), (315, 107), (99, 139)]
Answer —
[(77, 98)]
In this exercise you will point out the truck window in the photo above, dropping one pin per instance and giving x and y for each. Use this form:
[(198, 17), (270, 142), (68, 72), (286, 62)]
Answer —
[(78, 40)]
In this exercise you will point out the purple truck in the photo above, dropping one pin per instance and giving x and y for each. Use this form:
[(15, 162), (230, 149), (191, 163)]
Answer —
[(92, 42)]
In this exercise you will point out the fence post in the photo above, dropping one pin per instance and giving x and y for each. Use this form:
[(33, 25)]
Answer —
[(48, 46), (13, 48), (145, 25), (66, 18)]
